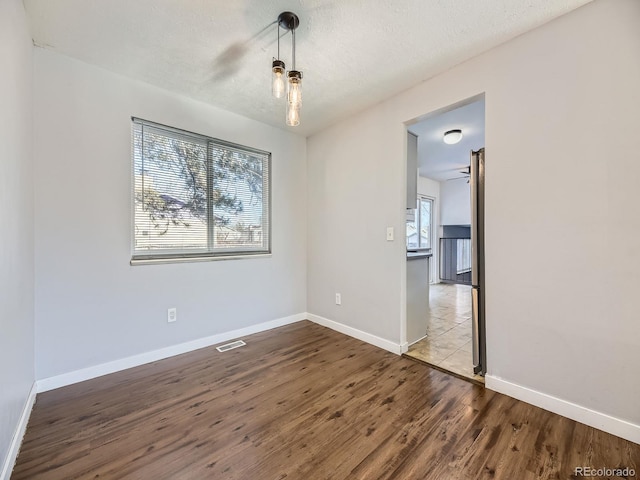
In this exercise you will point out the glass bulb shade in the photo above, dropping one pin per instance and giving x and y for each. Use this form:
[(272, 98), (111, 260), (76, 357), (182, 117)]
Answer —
[(277, 79), (452, 137), (293, 115), (295, 88)]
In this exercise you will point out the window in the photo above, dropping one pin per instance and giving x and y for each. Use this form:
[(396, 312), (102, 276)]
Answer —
[(196, 196), (419, 224), (463, 255)]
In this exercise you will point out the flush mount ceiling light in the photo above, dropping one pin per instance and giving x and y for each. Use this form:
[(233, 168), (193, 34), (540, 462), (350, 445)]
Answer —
[(452, 136), (288, 21)]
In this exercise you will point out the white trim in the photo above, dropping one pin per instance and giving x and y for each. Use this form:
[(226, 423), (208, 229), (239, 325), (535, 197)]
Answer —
[(88, 373), (16, 441), (204, 258), (355, 333), (601, 421)]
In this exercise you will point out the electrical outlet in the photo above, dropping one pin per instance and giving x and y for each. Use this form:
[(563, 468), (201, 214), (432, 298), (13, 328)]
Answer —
[(172, 315), (338, 299)]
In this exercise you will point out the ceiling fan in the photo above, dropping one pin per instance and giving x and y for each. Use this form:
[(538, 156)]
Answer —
[(466, 173)]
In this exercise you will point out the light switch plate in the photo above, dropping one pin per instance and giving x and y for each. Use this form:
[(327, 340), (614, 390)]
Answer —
[(389, 234)]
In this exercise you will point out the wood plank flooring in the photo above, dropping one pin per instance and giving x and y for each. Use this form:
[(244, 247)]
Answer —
[(301, 402)]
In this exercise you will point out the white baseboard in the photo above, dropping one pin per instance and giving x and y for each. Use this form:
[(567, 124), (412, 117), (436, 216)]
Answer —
[(355, 333), (88, 373), (16, 441), (615, 426)]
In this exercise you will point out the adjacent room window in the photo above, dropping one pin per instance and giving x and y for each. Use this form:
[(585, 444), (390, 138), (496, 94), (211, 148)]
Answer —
[(196, 196), (463, 255), (419, 224)]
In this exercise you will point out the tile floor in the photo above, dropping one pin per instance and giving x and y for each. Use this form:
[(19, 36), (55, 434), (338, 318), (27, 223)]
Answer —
[(448, 341)]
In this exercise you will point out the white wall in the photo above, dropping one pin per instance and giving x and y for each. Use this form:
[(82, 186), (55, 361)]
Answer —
[(91, 305), (356, 188), (562, 112), (431, 188), (16, 220), (456, 202)]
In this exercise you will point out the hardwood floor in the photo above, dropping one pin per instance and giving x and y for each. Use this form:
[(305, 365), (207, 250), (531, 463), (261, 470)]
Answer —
[(301, 402)]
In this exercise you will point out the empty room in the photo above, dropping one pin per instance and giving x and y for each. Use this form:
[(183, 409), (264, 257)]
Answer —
[(228, 227)]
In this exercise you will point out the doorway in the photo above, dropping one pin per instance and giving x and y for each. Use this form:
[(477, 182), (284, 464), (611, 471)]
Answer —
[(450, 175)]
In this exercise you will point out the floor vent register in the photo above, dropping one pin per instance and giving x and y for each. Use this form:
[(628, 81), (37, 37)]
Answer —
[(230, 346)]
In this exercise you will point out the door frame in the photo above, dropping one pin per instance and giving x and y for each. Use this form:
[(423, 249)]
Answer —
[(482, 324)]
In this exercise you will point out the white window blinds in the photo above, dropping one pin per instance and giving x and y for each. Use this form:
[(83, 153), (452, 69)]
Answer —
[(196, 196)]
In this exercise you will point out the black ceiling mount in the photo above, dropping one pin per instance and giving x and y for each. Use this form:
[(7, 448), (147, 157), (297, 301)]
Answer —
[(288, 20)]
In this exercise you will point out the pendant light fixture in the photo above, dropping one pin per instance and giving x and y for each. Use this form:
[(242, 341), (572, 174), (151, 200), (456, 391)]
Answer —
[(288, 21)]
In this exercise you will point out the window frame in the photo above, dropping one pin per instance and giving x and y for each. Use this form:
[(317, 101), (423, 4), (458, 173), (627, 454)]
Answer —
[(418, 224), (212, 253), (422, 198)]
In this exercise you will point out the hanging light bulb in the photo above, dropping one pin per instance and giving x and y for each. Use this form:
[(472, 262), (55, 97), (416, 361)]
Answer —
[(277, 85), (295, 88), (277, 73), (293, 115)]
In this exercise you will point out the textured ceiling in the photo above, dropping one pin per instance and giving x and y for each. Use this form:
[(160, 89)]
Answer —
[(438, 160), (353, 53)]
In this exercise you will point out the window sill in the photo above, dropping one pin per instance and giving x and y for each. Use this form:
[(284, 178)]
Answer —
[(158, 261)]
